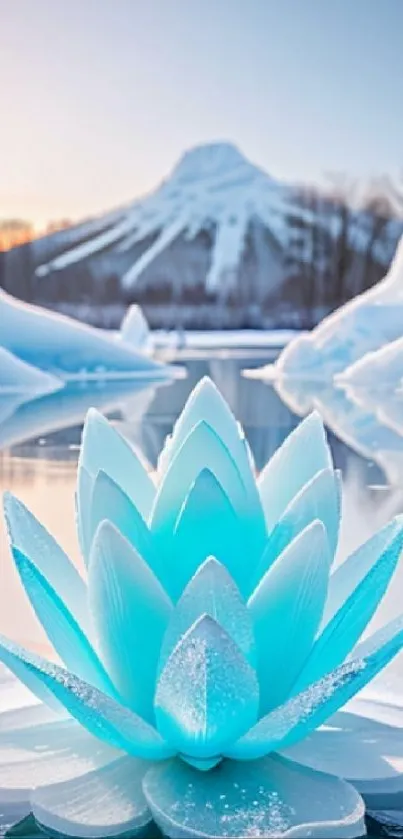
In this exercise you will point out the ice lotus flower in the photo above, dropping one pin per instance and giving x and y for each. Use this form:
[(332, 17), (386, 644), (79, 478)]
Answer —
[(206, 646)]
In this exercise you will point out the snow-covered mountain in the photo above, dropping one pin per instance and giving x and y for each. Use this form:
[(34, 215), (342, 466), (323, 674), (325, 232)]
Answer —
[(219, 244), (213, 189)]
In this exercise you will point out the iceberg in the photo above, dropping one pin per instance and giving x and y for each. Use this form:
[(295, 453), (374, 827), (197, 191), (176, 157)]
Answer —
[(67, 348), (362, 325), (134, 328), (17, 376)]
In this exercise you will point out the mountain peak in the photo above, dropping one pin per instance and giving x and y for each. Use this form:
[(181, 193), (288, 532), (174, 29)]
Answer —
[(209, 161)]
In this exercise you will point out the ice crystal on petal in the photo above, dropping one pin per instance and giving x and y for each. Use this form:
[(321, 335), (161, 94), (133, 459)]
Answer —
[(207, 691)]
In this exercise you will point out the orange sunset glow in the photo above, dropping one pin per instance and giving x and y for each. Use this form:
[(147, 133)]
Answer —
[(14, 232)]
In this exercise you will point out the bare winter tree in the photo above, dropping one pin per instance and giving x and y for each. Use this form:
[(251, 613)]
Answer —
[(363, 212), (341, 192)]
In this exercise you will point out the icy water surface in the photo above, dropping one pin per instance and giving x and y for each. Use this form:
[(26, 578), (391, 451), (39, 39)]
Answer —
[(39, 442)]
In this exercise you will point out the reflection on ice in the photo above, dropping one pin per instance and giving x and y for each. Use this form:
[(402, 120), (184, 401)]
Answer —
[(17, 376), (27, 419), (357, 423)]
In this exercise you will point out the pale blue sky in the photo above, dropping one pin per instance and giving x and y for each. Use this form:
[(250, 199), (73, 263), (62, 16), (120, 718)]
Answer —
[(100, 97)]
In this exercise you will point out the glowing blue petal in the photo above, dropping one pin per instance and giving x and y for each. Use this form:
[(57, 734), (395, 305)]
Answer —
[(131, 613), (206, 404), (268, 798), (83, 495), (110, 503), (286, 610), (207, 526), (9, 656), (99, 714), (347, 625), (212, 592), (350, 573), (106, 802), (304, 453), (201, 450), (318, 499), (33, 540), (65, 635), (104, 448), (207, 693), (379, 638), (309, 709)]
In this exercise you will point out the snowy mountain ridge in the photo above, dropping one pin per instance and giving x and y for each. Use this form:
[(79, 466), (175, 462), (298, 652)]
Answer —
[(212, 187)]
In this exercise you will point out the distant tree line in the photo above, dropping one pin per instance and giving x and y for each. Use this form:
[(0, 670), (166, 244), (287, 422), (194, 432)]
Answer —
[(348, 244)]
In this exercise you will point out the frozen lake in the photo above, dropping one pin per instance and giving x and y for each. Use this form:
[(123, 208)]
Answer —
[(39, 443)]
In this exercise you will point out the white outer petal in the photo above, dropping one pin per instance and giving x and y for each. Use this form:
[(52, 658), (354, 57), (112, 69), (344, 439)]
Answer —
[(366, 749), (39, 754), (103, 803)]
